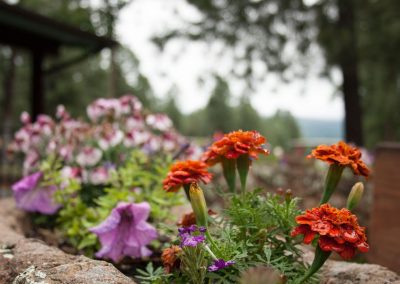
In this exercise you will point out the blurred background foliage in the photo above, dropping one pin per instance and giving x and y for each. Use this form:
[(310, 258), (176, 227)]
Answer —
[(358, 38)]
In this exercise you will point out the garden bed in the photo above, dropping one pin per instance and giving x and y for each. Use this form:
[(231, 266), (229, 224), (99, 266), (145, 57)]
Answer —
[(27, 260)]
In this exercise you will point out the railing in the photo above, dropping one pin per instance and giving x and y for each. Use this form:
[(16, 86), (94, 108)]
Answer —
[(10, 169)]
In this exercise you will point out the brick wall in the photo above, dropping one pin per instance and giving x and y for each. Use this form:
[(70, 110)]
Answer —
[(384, 229)]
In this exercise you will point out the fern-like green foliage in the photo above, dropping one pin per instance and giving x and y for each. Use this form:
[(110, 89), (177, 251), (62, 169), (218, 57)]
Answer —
[(136, 181), (151, 275), (254, 231)]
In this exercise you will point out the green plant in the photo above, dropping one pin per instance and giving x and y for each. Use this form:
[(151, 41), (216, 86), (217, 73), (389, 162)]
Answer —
[(151, 275), (137, 180), (256, 231)]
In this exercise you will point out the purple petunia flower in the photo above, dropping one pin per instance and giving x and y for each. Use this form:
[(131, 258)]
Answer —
[(125, 232), (220, 264), (31, 197)]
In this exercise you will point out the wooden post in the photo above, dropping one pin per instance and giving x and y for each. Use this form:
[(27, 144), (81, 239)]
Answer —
[(37, 95)]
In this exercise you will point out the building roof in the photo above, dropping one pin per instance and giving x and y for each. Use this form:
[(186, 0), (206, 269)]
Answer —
[(23, 28)]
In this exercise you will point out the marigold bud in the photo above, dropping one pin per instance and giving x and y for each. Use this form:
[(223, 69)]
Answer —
[(355, 195), (288, 195), (199, 205)]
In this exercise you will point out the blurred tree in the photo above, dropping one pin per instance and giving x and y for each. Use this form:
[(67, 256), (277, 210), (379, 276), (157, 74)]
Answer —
[(171, 109), (131, 80), (276, 32), (281, 129), (219, 114), (196, 124), (107, 15), (379, 44), (247, 117)]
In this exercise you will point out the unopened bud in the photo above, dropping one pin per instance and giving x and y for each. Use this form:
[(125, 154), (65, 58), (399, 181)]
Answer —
[(199, 205), (25, 118), (288, 195), (355, 195)]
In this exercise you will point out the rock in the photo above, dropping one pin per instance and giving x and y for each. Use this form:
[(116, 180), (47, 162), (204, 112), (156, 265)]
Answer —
[(343, 272), (355, 273), (30, 261)]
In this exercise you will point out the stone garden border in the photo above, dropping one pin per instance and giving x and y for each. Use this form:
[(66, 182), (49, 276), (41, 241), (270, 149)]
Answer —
[(30, 261)]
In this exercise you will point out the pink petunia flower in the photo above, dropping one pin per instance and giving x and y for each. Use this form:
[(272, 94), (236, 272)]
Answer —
[(125, 232), (31, 197)]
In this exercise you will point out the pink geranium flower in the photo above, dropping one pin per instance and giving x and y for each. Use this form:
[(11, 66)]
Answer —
[(89, 157), (101, 108), (99, 175), (136, 137), (159, 121), (111, 139), (130, 104), (125, 232), (31, 197)]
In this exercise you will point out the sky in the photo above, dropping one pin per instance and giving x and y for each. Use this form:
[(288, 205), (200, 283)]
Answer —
[(181, 64)]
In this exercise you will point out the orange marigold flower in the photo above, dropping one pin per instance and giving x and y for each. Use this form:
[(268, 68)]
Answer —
[(186, 172), (338, 230), (190, 219), (343, 155), (235, 144), (170, 258)]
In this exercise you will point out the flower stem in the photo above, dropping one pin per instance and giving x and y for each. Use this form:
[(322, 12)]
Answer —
[(213, 244), (243, 165), (319, 260), (229, 170), (186, 187), (210, 252), (332, 179)]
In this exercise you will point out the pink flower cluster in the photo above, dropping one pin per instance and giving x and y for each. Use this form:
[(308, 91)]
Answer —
[(89, 151), (116, 125)]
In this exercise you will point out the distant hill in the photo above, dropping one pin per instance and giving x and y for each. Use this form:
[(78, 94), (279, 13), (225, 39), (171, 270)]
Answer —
[(314, 128)]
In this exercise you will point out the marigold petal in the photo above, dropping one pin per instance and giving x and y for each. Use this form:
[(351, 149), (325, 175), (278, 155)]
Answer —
[(350, 236), (322, 227), (363, 247), (348, 252), (186, 172), (338, 230), (343, 155), (235, 144), (308, 237)]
